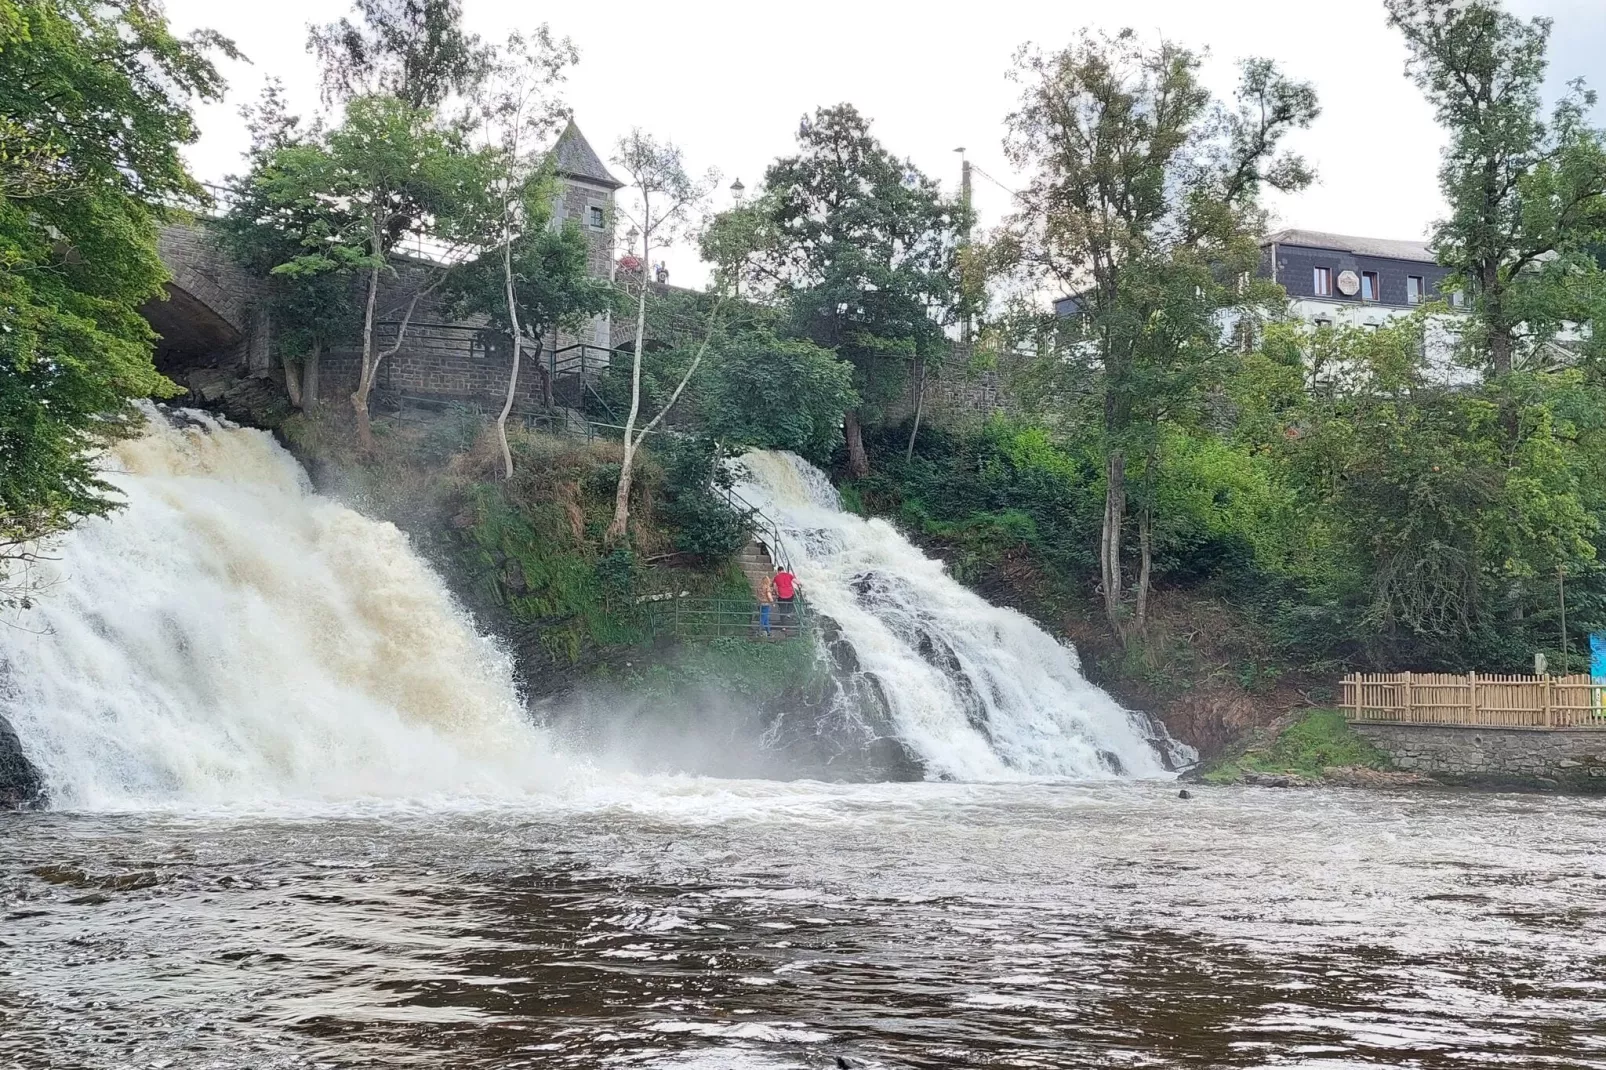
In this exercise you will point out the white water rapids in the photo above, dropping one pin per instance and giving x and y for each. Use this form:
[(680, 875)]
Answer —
[(232, 638), (976, 691)]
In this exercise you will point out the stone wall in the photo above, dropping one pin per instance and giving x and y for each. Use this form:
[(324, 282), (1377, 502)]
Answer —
[(1573, 758), (959, 393)]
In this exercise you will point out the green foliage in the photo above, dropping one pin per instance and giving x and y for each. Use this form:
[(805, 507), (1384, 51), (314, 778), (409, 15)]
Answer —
[(552, 281), (858, 248), (706, 524), (93, 110), (752, 672), (1144, 202), (1527, 197), (771, 393), (1319, 740)]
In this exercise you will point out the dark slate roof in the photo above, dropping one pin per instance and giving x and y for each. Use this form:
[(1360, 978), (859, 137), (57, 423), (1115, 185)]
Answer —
[(577, 159), (1385, 247)]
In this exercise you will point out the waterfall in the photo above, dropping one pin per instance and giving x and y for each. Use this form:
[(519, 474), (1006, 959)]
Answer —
[(231, 637), (974, 691)]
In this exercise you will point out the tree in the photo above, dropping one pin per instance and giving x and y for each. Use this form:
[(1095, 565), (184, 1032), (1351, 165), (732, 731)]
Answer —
[(350, 196), (666, 199), (1143, 203), (860, 248), (94, 106), (543, 273), (270, 222), (1526, 197), (414, 50), (777, 393)]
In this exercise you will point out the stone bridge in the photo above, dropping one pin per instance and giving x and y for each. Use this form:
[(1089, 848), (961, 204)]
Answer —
[(217, 337), (215, 314)]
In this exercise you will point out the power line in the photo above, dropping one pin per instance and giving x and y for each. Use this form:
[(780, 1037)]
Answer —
[(978, 170)]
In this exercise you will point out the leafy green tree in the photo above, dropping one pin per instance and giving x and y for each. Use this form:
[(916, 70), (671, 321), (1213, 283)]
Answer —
[(777, 393), (268, 224), (1143, 203), (1527, 197), (93, 111), (528, 277), (666, 198), (414, 50), (860, 249), (346, 197)]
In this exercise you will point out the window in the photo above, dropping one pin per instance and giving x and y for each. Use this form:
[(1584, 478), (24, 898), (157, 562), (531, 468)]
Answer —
[(594, 216), (1322, 282), (1415, 289), (1369, 290), (1457, 299), (1322, 321)]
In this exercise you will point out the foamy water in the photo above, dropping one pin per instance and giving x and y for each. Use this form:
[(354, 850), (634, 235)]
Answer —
[(232, 637), (976, 691)]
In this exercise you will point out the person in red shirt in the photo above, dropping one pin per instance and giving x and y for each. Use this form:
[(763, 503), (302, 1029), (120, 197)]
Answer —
[(785, 592)]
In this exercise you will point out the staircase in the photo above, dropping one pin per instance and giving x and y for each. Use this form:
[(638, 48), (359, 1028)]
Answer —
[(756, 564)]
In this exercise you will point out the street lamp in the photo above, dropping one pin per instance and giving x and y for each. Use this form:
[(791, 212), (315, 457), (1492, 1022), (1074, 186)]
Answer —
[(737, 189)]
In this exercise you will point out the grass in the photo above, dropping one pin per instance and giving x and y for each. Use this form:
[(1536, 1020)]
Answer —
[(1317, 741)]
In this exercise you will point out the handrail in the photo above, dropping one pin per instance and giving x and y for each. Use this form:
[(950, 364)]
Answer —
[(766, 526), (724, 618)]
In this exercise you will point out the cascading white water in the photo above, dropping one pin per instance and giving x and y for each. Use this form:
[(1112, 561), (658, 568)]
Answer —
[(976, 691), (231, 637)]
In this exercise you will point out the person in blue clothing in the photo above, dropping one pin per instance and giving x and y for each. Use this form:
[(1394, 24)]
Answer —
[(766, 602)]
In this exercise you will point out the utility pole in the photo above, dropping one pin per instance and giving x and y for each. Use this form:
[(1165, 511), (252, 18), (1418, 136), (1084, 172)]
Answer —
[(1561, 592), (964, 236)]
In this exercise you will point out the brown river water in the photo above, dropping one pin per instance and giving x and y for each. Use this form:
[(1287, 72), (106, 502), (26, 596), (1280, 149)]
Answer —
[(683, 923)]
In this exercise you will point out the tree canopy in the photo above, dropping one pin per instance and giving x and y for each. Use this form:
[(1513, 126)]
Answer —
[(93, 111)]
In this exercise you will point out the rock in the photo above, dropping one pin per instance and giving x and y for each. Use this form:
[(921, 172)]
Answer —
[(1184, 794), (1274, 780), (21, 786)]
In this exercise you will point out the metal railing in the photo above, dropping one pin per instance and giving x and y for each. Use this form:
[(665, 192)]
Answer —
[(725, 618), (764, 527)]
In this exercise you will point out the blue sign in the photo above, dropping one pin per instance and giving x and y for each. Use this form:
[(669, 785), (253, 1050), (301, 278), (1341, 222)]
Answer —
[(1597, 657)]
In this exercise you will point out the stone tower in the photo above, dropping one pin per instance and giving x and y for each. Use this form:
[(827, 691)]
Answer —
[(586, 198)]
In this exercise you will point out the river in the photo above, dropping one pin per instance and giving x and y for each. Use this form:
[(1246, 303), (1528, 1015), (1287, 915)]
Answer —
[(689, 923), (301, 816)]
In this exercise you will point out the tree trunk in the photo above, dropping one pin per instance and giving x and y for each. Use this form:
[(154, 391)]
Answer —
[(1110, 540), (1500, 340), (292, 381), (621, 498), (309, 378), (365, 380), (513, 334), (920, 404), (858, 460), (1140, 615)]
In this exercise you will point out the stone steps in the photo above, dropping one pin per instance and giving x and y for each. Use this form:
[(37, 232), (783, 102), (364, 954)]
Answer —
[(756, 564)]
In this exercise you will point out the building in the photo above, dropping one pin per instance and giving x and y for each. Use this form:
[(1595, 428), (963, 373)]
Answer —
[(1338, 280), (586, 197)]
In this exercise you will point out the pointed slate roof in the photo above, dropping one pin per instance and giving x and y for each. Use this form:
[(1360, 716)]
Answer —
[(577, 159)]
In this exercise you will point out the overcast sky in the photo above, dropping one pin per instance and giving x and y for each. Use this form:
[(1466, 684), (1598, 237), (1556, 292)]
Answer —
[(729, 80)]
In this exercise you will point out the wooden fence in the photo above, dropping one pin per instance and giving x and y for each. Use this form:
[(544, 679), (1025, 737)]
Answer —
[(1474, 700)]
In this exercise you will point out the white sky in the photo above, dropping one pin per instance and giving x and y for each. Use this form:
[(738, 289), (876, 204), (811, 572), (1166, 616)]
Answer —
[(728, 81)]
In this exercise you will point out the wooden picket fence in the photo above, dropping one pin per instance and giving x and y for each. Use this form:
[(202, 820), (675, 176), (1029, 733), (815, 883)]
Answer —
[(1474, 700)]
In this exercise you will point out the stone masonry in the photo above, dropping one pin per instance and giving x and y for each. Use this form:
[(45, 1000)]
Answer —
[(1570, 757)]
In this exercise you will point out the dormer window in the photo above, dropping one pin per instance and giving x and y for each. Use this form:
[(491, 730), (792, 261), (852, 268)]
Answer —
[(1369, 287), (1322, 281), (595, 217)]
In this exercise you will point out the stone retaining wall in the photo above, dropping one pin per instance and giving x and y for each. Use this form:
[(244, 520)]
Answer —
[(1573, 758)]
